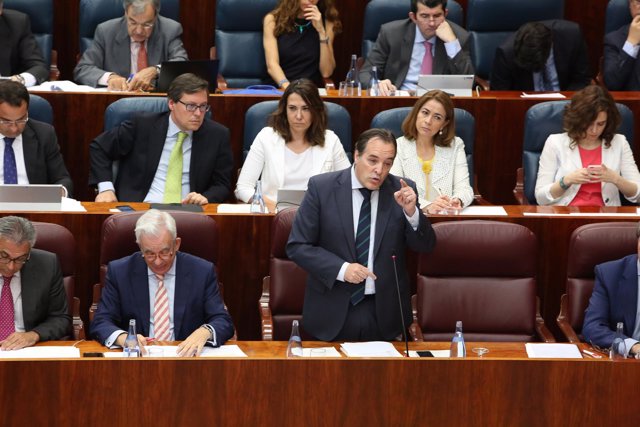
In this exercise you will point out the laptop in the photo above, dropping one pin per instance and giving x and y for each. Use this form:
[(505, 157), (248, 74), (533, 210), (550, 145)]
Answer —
[(453, 84), (205, 69), (288, 198), (32, 197)]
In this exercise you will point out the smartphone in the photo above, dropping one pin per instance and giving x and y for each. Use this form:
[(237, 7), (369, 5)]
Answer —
[(125, 208), (93, 354), (426, 353)]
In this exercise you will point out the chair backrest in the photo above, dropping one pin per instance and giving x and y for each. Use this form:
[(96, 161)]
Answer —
[(238, 35), (126, 108), (287, 281), (338, 118), (41, 16), (590, 245), (483, 273), (40, 109), (465, 129), (488, 28), (198, 232), (544, 119), (94, 12), (616, 15), (378, 12), (59, 240)]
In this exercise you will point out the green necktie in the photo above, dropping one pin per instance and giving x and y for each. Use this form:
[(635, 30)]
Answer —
[(173, 185)]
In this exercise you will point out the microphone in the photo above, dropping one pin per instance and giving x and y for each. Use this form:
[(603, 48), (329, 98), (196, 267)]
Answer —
[(404, 328)]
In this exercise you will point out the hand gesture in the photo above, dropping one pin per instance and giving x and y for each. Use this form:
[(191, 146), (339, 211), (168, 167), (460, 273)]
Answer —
[(312, 13), (386, 87), (195, 199), (634, 31), (445, 33), (406, 198), (578, 176), (356, 273), (142, 80)]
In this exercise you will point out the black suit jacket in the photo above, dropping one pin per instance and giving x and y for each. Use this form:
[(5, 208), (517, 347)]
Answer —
[(19, 51), (44, 300), (322, 239), (620, 71), (569, 54), (138, 143)]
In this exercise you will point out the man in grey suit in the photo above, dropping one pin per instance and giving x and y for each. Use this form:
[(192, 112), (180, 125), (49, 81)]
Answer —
[(126, 52), (33, 302), (399, 51)]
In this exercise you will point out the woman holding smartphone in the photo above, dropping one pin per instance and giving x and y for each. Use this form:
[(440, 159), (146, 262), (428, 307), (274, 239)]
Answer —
[(589, 164)]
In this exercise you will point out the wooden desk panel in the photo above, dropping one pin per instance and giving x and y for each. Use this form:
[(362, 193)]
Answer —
[(318, 392)]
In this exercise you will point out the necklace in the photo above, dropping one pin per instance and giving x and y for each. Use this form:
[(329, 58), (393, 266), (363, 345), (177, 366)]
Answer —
[(301, 27)]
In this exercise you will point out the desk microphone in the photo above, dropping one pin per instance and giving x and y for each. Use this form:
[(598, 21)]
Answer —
[(404, 328)]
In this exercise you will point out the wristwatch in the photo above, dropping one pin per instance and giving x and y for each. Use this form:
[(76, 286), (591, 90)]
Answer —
[(19, 79), (325, 41)]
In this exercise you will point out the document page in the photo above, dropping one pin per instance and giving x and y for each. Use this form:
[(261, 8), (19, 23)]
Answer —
[(44, 352), (369, 349), (552, 351)]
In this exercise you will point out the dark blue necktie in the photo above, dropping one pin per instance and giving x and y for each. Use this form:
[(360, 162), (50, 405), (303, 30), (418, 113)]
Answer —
[(363, 237), (10, 170)]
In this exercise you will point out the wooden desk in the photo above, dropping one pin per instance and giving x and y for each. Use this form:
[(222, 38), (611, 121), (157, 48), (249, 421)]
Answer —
[(245, 244), (266, 389)]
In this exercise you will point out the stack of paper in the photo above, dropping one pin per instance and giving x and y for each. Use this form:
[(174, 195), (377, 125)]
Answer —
[(42, 352), (552, 351), (369, 349), (320, 352), (172, 351)]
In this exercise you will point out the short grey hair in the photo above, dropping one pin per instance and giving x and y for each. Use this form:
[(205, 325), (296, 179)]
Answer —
[(17, 230), (153, 223), (139, 5)]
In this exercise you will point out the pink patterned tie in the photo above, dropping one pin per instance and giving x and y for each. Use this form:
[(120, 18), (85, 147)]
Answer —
[(142, 57), (7, 319), (427, 60), (161, 312)]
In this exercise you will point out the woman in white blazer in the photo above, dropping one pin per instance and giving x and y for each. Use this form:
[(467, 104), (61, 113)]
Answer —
[(589, 164), (295, 146), (430, 154)]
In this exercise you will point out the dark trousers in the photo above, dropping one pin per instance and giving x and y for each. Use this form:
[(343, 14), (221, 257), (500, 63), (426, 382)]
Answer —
[(361, 323)]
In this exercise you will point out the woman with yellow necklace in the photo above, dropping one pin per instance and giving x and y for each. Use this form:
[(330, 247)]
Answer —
[(430, 154)]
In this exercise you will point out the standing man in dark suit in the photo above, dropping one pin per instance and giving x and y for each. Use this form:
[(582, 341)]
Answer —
[(20, 56), (30, 153), (33, 302), (351, 288), (171, 295), (399, 51), (198, 171), (621, 66), (542, 56), (136, 44)]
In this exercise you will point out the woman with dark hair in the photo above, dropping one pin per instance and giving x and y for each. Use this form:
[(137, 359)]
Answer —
[(589, 164), (295, 146), (298, 40), (432, 155)]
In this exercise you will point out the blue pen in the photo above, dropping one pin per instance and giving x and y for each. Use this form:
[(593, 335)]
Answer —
[(130, 77)]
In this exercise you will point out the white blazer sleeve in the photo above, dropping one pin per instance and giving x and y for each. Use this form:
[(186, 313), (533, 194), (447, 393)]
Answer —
[(461, 187), (547, 170), (251, 169)]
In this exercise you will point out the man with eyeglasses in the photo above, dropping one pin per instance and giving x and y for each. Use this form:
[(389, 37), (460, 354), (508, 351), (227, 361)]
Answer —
[(20, 55), (29, 151), (172, 295), (621, 64), (426, 43), (615, 299), (33, 302), (178, 156), (126, 52)]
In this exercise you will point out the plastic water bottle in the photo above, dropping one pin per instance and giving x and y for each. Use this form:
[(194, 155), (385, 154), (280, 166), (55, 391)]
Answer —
[(353, 81), (374, 89), (257, 202), (294, 349), (131, 345), (457, 343), (618, 347)]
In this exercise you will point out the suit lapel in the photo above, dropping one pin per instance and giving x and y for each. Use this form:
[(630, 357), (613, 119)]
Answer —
[(155, 144), (122, 47), (405, 53), (344, 201), (385, 198), (30, 152), (440, 58), (140, 292), (182, 287), (629, 294)]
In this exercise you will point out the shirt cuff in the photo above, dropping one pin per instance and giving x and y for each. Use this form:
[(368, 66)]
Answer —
[(104, 80), (29, 79), (109, 342), (630, 49), (213, 339), (453, 48), (629, 342), (342, 272), (106, 186), (414, 219)]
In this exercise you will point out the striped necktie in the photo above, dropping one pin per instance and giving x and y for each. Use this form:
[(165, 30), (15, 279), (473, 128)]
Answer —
[(7, 314), (161, 326), (363, 237)]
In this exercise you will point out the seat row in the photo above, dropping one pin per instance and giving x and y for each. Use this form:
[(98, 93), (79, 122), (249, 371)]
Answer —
[(480, 272)]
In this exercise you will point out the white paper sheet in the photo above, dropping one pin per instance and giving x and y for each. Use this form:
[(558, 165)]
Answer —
[(476, 210), (369, 349), (64, 86), (71, 205), (241, 208), (321, 352), (230, 350), (552, 351), (42, 352), (553, 95)]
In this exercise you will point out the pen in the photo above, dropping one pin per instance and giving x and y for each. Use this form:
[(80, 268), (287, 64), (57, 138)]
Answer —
[(129, 78), (150, 340), (439, 191), (592, 354)]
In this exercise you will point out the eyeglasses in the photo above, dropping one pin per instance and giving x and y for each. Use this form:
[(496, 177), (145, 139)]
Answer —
[(6, 259), (14, 122), (144, 25), (164, 255), (193, 107)]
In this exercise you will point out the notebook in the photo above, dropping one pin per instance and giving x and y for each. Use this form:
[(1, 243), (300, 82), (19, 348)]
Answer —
[(205, 69), (454, 84), (31, 197)]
